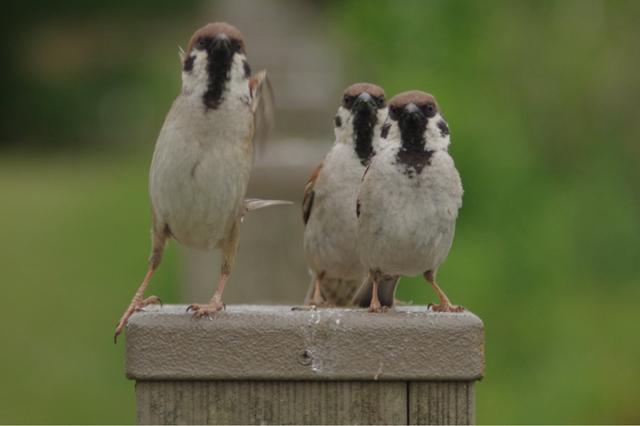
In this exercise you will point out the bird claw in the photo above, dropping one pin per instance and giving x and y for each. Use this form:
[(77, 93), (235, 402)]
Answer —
[(207, 310), (445, 307), (152, 300), (378, 308), (135, 306)]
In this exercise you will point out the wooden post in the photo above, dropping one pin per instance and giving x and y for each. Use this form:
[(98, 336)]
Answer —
[(275, 365)]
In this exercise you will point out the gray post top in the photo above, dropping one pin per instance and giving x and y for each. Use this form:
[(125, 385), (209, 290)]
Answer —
[(248, 342)]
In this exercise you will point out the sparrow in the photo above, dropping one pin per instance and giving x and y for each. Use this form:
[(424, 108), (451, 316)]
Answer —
[(204, 155), (329, 202), (408, 201)]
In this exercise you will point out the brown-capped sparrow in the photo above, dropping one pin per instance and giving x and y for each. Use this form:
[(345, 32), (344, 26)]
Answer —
[(409, 198), (204, 155), (329, 204)]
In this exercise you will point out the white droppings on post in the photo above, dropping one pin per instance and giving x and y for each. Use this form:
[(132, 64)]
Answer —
[(375, 377)]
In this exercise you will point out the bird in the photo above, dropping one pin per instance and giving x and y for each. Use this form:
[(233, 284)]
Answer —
[(409, 198), (329, 201), (203, 157)]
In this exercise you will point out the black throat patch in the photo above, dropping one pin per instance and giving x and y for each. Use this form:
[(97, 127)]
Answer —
[(219, 68), (219, 61), (364, 123), (414, 161), (412, 153)]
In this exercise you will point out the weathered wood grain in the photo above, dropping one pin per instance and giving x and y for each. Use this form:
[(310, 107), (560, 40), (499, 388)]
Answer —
[(271, 402), (432, 403)]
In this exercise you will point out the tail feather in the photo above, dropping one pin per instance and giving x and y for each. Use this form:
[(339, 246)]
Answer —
[(335, 292), (256, 203)]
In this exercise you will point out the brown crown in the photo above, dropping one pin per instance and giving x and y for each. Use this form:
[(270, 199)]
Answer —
[(212, 30), (358, 88), (416, 97)]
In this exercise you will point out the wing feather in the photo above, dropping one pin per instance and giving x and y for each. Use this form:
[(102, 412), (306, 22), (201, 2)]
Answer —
[(309, 194), (263, 108)]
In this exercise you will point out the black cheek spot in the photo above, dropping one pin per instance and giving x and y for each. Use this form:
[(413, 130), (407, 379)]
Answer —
[(188, 63), (357, 208), (444, 129), (384, 132), (338, 121), (247, 69)]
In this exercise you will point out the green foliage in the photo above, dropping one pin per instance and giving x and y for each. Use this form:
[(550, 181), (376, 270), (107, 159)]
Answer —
[(72, 246), (541, 101), (72, 69)]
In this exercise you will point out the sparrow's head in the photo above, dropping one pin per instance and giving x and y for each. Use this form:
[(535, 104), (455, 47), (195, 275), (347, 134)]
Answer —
[(414, 119), (360, 116), (214, 63)]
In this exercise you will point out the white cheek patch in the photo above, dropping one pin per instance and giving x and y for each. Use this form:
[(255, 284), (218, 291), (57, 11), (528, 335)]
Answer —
[(238, 85), (344, 132), (237, 68), (437, 135), (393, 132), (383, 114), (197, 79)]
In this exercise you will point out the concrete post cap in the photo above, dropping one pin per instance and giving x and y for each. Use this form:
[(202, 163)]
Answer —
[(249, 342)]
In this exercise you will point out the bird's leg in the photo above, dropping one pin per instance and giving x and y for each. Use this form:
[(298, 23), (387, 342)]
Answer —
[(138, 302), (317, 299), (229, 250), (445, 304), (375, 305)]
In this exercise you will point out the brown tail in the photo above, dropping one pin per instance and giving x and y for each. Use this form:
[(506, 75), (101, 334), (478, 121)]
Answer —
[(386, 291), (335, 292)]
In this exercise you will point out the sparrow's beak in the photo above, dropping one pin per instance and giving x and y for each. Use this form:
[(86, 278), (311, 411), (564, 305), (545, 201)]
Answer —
[(413, 116), (364, 102), (412, 109), (222, 42), (413, 113)]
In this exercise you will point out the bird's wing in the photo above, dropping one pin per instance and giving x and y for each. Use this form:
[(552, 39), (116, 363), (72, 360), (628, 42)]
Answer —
[(309, 194), (263, 107)]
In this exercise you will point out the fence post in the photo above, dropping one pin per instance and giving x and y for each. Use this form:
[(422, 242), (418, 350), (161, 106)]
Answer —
[(274, 365)]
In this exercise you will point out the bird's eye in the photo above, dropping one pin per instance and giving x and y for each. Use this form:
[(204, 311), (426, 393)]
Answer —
[(201, 44), (380, 102), (429, 109), (347, 101), (236, 46), (394, 113)]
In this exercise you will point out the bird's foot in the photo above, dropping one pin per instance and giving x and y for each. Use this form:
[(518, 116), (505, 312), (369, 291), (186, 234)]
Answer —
[(207, 310), (320, 303), (445, 307), (378, 308), (136, 305)]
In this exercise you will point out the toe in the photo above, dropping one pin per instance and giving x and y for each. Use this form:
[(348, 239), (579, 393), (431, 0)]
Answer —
[(119, 329), (152, 300), (445, 308)]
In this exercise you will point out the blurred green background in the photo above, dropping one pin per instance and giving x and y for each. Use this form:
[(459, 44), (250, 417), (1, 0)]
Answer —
[(543, 103)]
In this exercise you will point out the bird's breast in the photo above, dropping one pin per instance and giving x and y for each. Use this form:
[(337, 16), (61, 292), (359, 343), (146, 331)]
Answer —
[(199, 176)]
